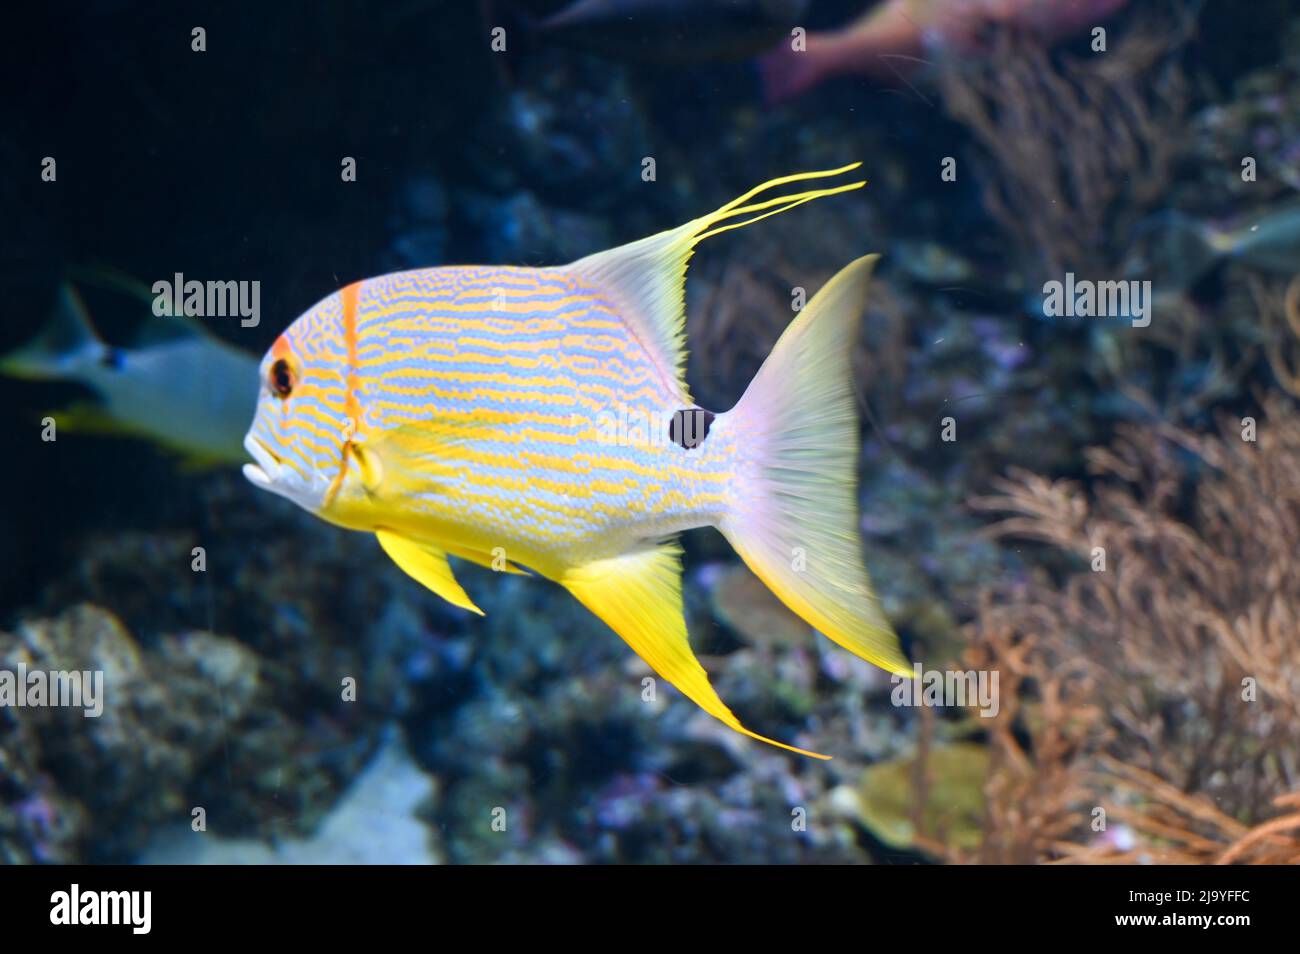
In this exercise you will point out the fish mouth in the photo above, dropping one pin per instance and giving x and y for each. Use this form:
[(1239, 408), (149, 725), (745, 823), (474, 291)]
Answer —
[(267, 469)]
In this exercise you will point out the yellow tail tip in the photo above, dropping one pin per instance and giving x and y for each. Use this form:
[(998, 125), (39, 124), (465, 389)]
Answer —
[(782, 745)]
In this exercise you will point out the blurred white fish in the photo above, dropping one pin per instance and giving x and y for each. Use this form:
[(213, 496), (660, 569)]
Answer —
[(178, 386)]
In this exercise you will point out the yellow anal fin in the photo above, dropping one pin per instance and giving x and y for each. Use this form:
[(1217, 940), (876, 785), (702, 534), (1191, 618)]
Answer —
[(640, 596), (427, 565)]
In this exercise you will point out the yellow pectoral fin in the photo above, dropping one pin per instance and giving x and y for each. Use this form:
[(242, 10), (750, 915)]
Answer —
[(640, 596), (427, 565), (370, 465)]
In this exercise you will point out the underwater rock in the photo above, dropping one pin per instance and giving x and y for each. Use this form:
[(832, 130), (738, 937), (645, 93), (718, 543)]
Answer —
[(542, 708), (166, 713), (377, 821), (549, 723), (39, 823), (953, 813), (262, 742), (759, 815), (1261, 119)]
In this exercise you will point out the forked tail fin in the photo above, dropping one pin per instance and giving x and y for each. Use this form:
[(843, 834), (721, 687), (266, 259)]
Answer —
[(1183, 250), (63, 346), (794, 511)]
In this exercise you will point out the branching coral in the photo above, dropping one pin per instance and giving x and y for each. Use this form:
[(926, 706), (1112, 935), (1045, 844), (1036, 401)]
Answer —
[(1036, 799), (1080, 146), (1279, 312), (1156, 674)]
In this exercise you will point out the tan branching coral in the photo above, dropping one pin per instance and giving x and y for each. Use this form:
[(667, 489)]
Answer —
[(1080, 146), (1152, 678), (1035, 796), (1279, 311)]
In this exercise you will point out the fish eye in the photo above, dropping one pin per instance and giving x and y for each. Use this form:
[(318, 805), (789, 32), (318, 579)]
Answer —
[(281, 378)]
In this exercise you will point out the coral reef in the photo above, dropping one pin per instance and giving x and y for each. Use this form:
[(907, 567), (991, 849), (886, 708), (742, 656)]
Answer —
[(76, 786), (376, 822), (266, 739), (1158, 695), (537, 709), (1259, 118), (1081, 146), (1152, 672)]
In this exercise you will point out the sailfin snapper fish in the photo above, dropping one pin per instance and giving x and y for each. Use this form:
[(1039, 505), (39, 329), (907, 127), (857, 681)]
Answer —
[(463, 411), (177, 385)]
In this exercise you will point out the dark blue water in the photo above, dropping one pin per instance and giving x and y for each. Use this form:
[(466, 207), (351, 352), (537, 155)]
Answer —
[(292, 696)]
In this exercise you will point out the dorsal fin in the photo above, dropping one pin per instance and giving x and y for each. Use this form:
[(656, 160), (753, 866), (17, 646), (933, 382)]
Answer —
[(647, 278), (153, 329)]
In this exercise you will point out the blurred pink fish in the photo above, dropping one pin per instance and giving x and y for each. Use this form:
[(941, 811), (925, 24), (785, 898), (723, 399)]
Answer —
[(893, 38)]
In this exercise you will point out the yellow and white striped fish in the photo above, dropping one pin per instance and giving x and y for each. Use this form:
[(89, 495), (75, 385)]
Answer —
[(480, 411)]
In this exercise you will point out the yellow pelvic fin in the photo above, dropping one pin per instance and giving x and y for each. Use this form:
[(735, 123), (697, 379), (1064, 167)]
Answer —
[(640, 596), (427, 565), (484, 558), (647, 277)]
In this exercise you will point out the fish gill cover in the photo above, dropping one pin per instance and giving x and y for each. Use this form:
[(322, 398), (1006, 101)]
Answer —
[(1009, 514)]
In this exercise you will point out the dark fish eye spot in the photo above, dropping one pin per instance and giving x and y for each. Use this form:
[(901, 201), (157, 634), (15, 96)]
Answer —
[(113, 358), (281, 378), (690, 426)]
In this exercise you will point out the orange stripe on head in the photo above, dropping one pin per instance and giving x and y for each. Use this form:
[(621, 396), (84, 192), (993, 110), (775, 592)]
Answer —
[(349, 297), (281, 348)]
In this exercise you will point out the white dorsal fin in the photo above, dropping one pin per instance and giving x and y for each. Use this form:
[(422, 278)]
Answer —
[(646, 279)]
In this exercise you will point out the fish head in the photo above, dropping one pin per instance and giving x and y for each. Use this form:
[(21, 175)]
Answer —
[(305, 415)]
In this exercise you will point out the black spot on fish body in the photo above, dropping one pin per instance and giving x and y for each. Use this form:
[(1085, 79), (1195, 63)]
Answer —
[(690, 426), (114, 358)]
